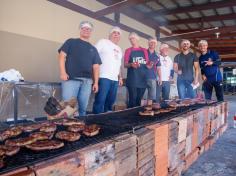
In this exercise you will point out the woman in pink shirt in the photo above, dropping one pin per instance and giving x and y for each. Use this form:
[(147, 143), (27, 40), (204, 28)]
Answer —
[(135, 60)]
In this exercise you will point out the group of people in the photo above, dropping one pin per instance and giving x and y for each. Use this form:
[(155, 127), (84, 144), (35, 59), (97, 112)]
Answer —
[(85, 68)]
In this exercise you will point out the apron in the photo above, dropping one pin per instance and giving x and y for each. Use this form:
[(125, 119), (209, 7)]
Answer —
[(137, 77)]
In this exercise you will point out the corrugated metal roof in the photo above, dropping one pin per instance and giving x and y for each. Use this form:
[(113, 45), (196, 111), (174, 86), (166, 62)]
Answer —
[(234, 7), (143, 8), (206, 25), (215, 0), (184, 3), (193, 25), (154, 5), (182, 15), (159, 18), (224, 10), (195, 14), (229, 22), (170, 17), (209, 12), (199, 1), (168, 4), (216, 23), (182, 26), (172, 28)]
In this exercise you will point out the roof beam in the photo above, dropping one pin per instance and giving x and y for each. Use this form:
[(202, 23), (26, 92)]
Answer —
[(208, 5), (222, 45), (224, 50), (201, 33), (222, 40), (116, 7), (228, 56), (215, 41), (140, 17), (203, 19), (219, 41), (233, 59)]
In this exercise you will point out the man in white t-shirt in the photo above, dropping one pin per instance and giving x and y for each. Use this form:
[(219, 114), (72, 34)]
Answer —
[(110, 76), (167, 72)]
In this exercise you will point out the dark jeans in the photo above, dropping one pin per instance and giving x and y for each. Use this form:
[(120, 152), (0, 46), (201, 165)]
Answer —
[(106, 96), (163, 89), (135, 96), (208, 87), (185, 90)]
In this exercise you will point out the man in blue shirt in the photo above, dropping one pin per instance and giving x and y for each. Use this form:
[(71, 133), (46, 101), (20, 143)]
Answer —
[(209, 63), (154, 61)]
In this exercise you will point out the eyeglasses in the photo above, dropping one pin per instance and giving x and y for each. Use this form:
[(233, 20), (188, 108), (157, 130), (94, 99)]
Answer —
[(86, 29)]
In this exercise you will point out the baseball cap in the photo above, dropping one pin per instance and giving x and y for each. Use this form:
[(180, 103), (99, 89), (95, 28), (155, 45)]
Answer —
[(164, 45), (86, 24), (152, 39), (115, 29), (133, 35)]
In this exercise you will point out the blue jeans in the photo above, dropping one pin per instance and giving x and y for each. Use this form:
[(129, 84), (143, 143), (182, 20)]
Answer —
[(106, 96), (163, 89), (185, 90), (151, 87), (81, 89)]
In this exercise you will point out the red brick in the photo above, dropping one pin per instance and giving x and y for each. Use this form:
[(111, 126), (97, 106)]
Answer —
[(70, 164), (195, 134), (20, 172), (161, 139), (207, 145), (191, 158), (107, 169)]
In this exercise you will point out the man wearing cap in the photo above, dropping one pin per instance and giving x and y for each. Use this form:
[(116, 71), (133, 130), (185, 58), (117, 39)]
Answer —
[(183, 66), (79, 67), (167, 73), (110, 76), (209, 63), (136, 61), (154, 73)]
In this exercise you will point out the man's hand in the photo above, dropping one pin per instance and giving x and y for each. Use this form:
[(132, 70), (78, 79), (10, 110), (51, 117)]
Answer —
[(150, 64), (95, 88), (120, 82), (179, 72), (195, 81), (64, 76), (170, 78), (209, 62), (204, 78), (159, 82), (135, 65)]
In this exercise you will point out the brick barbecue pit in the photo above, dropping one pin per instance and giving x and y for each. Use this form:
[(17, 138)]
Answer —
[(128, 144)]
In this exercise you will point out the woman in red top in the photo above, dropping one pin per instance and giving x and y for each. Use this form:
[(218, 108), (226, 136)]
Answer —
[(136, 59)]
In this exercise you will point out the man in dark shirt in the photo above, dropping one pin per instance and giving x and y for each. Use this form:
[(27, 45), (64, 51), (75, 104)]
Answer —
[(183, 66), (209, 63), (79, 67)]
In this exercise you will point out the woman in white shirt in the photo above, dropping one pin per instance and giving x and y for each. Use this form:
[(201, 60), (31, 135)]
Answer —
[(167, 73)]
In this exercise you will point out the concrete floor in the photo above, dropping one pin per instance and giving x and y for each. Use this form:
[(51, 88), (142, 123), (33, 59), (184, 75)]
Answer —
[(220, 160)]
